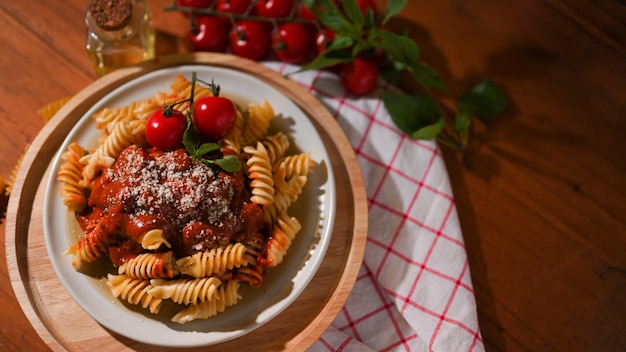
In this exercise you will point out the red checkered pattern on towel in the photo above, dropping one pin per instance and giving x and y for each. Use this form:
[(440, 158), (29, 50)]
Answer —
[(414, 290)]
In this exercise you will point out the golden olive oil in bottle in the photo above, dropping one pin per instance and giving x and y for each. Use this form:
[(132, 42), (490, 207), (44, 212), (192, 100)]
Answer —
[(120, 33)]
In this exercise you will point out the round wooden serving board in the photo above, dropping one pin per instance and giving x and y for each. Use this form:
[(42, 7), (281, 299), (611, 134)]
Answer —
[(63, 325)]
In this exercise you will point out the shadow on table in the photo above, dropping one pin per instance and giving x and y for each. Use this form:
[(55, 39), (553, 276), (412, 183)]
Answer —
[(4, 202)]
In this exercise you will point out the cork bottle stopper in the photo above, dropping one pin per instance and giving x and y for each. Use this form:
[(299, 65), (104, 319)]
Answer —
[(111, 15)]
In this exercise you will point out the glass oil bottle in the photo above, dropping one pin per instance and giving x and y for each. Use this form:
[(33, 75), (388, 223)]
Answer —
[(120, 33)]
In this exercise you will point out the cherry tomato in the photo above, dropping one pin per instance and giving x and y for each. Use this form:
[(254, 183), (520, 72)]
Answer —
[(359, 76), (293, 42), (323, 38), (306, 13), (209, 34), (233, 6), (236, 7), (214, 116), (165, 130), (250, 39), (274, 8)]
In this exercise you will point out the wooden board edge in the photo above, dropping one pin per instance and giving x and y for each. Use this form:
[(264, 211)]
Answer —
[(46, 144)]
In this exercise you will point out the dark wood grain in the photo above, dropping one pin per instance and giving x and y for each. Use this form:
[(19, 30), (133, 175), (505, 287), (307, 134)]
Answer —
[(543, 207)]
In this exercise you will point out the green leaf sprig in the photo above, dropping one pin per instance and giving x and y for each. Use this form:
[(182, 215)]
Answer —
[(205, 152), (419, 115)]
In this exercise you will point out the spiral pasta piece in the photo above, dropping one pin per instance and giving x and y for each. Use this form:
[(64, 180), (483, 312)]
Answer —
[(48, 110), (154, 239), (297, 165), (134, 291), (107, 118), (70, 176), (281, 237), (90, 247), (286, 193), (213, 262), (150, 266), (276, 145), (145, 108), (259, 118), (254, 271), (165, 98), (260, 172), (290, 176), (227, 295), (252, 274), (185, 291)]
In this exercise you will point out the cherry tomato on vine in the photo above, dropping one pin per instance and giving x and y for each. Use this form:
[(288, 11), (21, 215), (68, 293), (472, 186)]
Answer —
[(233, 6), (208, 34), (165, 129), (359, 76), (236, 7), (274, 8), (306, 13), (214, 116), (250, 39), (323, 38), (293, 42)]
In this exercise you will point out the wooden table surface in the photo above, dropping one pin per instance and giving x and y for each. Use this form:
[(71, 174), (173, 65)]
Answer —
[(543, 209)]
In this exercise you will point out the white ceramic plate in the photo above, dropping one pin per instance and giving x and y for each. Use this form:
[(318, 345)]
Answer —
[(315, 208)]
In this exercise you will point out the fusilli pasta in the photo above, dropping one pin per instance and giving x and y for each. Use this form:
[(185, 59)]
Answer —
[(222, 230), (227, 295), (185, 291), (150, 266), (213, 262), (134, 291)]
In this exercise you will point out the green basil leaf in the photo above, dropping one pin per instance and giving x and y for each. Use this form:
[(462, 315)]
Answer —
[(370, 19), (412, 114), (429, 132), (327, 59), (353, 12), (341, 42), (394, 7), (390, 74), (397, 47), (191, 138), (485, 100), (360, 47), (206, 148), (229, 163), (426, 76), (327, 13)]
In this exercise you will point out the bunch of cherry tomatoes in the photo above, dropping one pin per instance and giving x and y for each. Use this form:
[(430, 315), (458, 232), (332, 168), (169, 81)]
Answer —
[(285, 29)]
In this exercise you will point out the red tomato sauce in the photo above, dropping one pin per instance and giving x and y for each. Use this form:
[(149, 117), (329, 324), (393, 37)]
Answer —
[(197, 206)]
